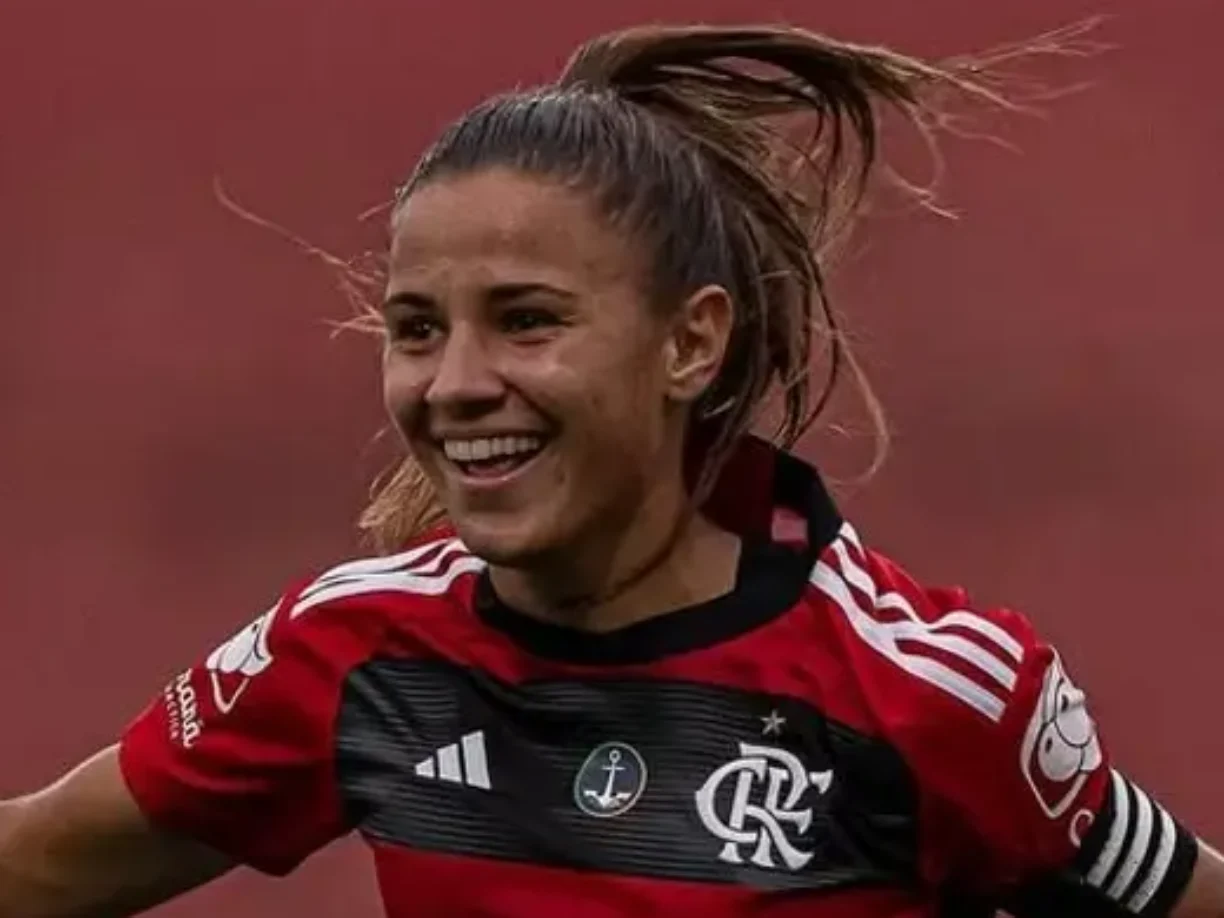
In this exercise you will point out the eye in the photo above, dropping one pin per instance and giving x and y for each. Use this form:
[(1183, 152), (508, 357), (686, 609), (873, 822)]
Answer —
[(524, 320), (412, 328)]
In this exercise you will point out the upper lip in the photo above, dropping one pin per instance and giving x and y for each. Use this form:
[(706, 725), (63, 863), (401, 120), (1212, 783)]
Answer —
[(486, 434)]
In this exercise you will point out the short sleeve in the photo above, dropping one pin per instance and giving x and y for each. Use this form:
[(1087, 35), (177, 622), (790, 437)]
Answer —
[(1026, 797), (237, 751), (1059, 823), (1015, 785), (1015, 790)]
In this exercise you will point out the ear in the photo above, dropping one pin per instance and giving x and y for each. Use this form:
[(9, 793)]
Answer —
[(697, 343)]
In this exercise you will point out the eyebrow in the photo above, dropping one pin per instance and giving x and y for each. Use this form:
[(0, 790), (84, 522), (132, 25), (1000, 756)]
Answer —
[(499, 293)]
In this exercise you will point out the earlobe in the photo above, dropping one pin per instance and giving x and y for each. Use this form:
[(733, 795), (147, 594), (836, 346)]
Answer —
[(698, 342)]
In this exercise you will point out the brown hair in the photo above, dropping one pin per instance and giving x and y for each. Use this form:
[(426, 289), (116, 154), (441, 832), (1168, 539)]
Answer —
[(765, 138)]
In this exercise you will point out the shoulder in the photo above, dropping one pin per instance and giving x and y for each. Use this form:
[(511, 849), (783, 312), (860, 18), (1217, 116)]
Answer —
[(343, 614), (433, 566), (947, 679), (980, 707), (934, 645)]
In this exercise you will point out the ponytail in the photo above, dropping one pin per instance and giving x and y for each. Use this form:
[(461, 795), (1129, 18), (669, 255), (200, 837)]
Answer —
[(766, 138)]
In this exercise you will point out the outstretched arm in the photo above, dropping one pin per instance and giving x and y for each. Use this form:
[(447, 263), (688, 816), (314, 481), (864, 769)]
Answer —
[(83, 847), (1204, 896)]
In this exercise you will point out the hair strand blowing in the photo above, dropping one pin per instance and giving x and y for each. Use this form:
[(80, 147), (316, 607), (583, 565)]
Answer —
[(766, 136)]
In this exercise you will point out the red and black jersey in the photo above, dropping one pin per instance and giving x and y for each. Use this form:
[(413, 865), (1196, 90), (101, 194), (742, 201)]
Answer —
[(830, 740)]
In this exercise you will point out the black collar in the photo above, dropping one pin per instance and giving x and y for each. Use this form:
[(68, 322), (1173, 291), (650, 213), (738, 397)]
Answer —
[(769, 581)]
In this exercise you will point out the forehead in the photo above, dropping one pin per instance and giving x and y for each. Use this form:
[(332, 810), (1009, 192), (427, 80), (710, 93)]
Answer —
[(499, 222)]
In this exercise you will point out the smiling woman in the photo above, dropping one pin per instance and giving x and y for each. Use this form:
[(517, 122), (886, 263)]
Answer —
[(543, 392), (597, 683)]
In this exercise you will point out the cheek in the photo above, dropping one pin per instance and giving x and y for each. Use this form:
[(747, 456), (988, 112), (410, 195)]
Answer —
[(616, 409), (626, 384), (404, 388), (623, 417)]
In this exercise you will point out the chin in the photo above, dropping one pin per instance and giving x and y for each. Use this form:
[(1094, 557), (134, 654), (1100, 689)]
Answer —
[(513, 542)]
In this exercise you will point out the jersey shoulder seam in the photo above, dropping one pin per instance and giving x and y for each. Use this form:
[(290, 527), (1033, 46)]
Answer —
[(430, 569), (960, 652)]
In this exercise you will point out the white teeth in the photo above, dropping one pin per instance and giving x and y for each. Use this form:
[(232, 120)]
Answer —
[(489, 447)]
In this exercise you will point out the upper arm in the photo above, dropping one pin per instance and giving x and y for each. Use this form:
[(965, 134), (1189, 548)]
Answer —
[(1042, 814), (83, 847), (238, 751), (1018, 796), (1056, 823)]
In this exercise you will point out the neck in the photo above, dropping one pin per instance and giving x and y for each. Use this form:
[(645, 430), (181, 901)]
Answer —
[(653, 568)]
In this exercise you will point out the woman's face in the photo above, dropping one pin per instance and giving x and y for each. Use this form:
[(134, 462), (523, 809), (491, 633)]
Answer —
[(526, 368)]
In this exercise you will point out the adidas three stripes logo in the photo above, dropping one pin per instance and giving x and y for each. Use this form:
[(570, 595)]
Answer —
[(464, 762)]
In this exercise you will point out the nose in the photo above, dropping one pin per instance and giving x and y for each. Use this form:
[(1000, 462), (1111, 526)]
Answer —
[(465, 380)]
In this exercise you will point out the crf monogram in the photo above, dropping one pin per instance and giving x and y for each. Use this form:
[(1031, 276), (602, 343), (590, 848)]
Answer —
[(760, 819)]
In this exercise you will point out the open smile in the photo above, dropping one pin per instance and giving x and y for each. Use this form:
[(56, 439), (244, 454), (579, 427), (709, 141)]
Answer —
[(492, 461)]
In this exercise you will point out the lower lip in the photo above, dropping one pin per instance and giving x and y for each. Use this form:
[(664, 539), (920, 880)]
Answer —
[(489, 482)]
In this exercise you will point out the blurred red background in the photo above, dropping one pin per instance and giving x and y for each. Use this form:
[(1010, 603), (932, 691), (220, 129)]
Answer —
[(181, 436)]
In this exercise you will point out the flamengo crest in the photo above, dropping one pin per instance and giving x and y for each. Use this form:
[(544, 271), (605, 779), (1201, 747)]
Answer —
[(753, 803)]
